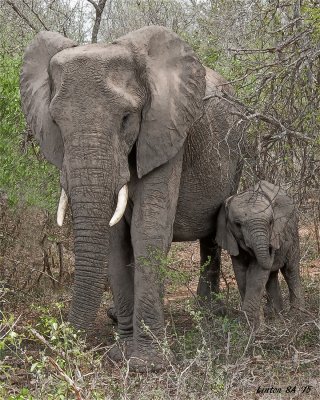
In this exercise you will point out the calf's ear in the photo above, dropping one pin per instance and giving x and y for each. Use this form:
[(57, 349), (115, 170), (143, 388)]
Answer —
[(224, 236), (283, 211)]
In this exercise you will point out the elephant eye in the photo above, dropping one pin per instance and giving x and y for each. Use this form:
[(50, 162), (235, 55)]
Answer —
[(125, 120), (238, 225)]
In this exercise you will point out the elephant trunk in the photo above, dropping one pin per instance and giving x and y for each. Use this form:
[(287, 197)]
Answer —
[(260, 244), (91, 189), (91, 247)]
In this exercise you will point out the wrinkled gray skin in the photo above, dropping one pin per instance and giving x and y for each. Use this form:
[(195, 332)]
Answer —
[(259, 228), (133, 112)]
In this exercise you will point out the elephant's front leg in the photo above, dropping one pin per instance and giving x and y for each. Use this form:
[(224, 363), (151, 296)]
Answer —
[(292, 276), (240, 270), (256, 281), (121, 274), (291, 273), (274, 299), (155, 203)]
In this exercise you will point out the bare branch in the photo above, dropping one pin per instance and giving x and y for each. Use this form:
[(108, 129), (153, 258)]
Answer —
[(250, 114), (21, 15), (64, 376), (95, 5), (99, 10), (278, 48), (36, 15)]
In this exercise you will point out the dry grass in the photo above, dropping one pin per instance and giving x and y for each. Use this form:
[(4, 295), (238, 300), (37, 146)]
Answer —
[(216, 357)]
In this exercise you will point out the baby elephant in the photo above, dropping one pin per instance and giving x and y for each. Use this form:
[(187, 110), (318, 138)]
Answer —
[(259, 228)]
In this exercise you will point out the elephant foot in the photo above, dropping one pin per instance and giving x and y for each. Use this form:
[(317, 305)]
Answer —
[(273, 310), (122, 350), (218, 307), (297, 311), (255, 321), (297, 305), (213, 306), (150, 361), (112, 314), (269, 312)]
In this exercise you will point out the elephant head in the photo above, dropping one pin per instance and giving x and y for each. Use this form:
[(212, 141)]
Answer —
[(92, 106), (254, 221)]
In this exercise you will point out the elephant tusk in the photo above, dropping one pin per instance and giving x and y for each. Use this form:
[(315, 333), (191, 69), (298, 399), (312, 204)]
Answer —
[(62, 207), (121, 205)]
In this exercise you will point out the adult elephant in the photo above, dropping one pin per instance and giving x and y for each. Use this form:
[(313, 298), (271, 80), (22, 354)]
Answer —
[(129, 119)]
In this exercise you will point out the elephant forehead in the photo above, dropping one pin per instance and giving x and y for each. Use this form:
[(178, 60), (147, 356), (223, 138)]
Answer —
[(120, 88), (107, 68), (91, 61), (95, 53), (260, 208), (250, 203)]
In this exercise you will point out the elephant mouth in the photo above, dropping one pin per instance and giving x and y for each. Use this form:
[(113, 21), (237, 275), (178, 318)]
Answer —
[(246, 248), (252, 253), (118, 214), (272, 253)]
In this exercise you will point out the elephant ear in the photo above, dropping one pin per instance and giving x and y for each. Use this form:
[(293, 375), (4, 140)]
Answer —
[(35, 89), (176, 84), (283, 210), (224, 236)]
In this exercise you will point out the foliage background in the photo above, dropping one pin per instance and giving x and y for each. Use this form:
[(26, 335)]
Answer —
[(270, 51)]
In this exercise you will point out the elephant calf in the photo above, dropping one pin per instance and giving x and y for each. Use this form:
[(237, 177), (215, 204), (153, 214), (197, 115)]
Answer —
[(259, 228)]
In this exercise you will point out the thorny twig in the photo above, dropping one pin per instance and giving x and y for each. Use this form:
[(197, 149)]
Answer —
[(67, 378), (250, 114)]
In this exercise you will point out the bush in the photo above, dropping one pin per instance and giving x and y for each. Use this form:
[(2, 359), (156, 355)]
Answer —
[(24, 175)]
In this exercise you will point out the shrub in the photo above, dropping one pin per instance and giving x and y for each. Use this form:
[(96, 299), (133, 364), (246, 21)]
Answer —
[(24, 175)]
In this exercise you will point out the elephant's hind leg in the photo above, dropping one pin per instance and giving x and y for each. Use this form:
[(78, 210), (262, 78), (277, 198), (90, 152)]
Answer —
[(210, 254), (210, 264)]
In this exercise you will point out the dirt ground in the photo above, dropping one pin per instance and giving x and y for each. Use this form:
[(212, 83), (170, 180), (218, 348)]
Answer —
[(217, 357)]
